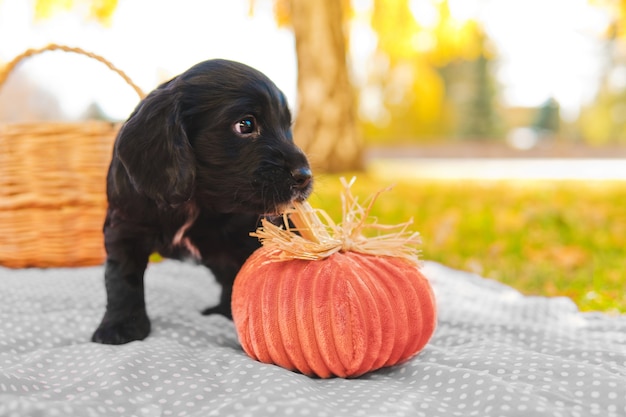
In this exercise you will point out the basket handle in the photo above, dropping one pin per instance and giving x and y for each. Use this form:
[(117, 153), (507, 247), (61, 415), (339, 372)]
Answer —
[(4, 73)]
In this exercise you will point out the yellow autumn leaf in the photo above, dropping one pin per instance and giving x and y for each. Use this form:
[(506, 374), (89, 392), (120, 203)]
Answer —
[(102, 10), (44, 9), (99, 10)]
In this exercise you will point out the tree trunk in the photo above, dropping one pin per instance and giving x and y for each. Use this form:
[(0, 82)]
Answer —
[(325, 125)]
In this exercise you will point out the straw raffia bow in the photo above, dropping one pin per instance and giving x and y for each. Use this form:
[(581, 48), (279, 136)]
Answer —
[(318, 236)]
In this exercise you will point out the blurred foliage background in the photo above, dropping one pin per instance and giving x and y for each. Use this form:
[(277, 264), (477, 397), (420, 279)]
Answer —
[(422, 75), (428, 71), (554, 238)]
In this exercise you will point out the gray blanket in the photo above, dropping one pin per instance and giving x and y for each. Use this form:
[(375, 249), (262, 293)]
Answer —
[(494, 353)]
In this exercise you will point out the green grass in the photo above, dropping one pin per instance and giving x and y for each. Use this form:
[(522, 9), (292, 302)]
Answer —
[(553, 238)]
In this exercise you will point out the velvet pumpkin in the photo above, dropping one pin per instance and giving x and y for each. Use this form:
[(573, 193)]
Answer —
[(344, 315), (330, 302)]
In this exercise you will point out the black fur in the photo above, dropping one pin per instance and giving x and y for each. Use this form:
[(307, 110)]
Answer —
[(196, 165)]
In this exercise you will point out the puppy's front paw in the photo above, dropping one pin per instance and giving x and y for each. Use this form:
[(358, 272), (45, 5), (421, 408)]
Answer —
[(223, 309), (136, 327)]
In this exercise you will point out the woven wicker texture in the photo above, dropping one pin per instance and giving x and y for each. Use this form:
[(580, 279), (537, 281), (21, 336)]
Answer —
[(52, 184)]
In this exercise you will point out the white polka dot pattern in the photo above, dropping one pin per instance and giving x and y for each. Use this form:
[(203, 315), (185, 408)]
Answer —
[(494, 353)]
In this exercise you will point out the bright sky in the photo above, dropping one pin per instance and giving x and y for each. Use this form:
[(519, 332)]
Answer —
[(546, 46), (150, 40)]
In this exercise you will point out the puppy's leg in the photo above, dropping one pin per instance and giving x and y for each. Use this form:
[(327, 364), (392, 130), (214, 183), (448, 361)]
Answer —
[(125, 318), (225, 275)]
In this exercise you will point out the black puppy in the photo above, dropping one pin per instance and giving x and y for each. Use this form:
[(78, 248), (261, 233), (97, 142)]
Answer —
[(196, 165)]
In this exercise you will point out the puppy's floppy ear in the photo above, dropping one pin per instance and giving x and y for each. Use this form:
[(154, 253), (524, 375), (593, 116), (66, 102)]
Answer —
[(155, 150)]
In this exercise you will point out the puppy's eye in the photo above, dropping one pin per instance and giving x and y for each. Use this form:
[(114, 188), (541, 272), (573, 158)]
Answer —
[(246, 126)]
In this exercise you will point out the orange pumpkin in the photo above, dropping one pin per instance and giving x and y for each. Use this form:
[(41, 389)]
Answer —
[(342, 313)]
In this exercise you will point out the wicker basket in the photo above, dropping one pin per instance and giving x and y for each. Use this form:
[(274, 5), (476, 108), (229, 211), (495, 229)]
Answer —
[(52, 185)]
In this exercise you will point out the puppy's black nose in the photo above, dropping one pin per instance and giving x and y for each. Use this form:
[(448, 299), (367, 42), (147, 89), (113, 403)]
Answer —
[(302, 176)]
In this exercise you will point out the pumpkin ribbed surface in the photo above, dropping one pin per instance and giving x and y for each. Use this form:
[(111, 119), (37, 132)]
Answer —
[(344, 315)]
